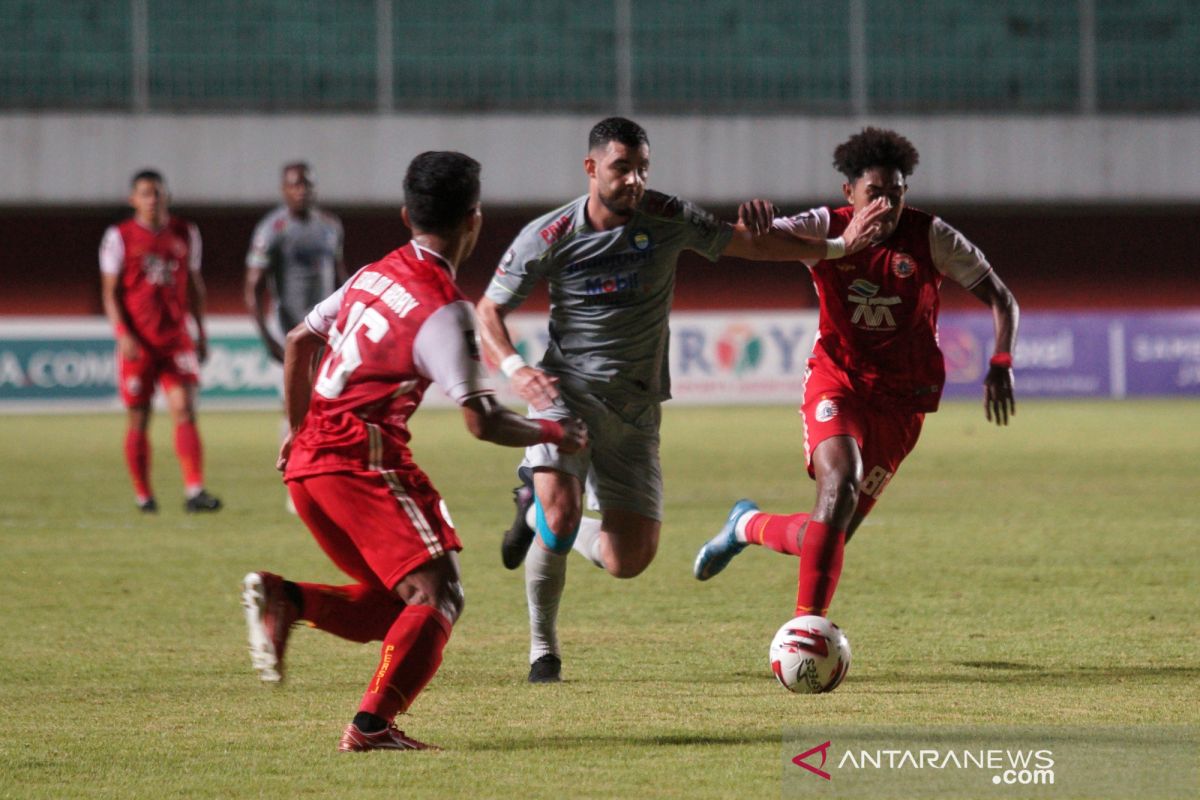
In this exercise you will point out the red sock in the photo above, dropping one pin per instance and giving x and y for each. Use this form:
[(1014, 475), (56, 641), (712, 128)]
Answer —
[(187, 448), (356, 612), (137, 458), (778, 532), (820, 567), (412, 653)]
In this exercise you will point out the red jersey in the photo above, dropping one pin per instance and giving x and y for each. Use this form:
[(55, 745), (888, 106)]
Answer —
[(879, 307), (396, 326), (153, 268)]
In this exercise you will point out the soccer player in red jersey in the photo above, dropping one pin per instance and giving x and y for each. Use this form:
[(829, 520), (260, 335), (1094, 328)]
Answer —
[(150, 283), (876, 369), (394, 328)]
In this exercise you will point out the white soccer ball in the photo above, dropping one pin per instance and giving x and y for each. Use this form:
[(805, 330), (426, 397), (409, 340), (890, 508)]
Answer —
[(810, 655)]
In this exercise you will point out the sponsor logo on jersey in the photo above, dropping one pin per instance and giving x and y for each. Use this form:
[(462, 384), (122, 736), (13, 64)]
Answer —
[(903, 265), (618, 282), (178, 248), (555, 230), (506, 262), (609, 262), (158, 271), (826, 410), (871, 312), (641, 240)]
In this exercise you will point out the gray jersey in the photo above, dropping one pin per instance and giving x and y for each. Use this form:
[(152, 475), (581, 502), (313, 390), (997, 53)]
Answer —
[(610, 291), (300, 256)]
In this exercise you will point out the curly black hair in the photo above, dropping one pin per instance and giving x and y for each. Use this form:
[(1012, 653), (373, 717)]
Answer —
[(875, 147)]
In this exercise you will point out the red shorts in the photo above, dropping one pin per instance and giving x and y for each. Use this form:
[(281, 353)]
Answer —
[(375, 526), (136, 379), (884, 436)]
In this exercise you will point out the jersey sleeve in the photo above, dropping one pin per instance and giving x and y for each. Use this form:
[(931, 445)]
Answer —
[(705, 234), (955, 257), (259, 255), (112, 252), (519, 269), (194, 247), (811, 224), (445, 351), (324, 314)]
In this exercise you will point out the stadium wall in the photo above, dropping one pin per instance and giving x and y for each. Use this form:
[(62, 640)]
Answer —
[(84, 158)]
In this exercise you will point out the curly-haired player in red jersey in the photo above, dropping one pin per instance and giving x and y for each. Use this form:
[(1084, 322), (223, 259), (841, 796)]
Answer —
[(394, 328), (150, 283), (876, 369)]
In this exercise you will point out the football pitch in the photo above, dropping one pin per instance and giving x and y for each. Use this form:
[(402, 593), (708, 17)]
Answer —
[(1045, 574)]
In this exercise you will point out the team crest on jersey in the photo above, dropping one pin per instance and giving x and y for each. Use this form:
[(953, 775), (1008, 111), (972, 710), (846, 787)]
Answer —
[(903, 265), (826, 410), (641, 240)]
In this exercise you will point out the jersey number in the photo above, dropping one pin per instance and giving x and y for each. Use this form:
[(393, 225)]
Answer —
[(346, 355)]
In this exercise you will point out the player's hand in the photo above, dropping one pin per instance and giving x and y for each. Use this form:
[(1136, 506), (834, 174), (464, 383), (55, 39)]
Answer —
[(535, 387), (575, 436), (998, 401), (129, 347), (202, 348), (757, 216), (285, 450), (865, 225)]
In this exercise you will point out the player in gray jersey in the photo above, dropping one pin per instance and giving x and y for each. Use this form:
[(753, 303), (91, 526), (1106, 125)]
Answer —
[(609, 259), (296, 254)]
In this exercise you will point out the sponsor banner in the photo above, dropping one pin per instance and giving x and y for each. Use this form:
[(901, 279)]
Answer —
[(735, 357), (981, 762)]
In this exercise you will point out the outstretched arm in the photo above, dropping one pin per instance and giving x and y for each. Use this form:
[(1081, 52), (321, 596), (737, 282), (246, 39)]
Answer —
[(490, 421), (998, 400), (754, 239), (534, 386)]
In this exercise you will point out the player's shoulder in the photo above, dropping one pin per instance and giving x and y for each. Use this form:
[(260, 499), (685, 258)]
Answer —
[(661, 205), (422, 273), (550, 229), (274, 220), (328, 218), (181, 226)]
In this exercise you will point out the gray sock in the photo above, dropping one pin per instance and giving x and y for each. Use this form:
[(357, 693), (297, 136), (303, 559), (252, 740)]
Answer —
[(587, 542), (545, 576)]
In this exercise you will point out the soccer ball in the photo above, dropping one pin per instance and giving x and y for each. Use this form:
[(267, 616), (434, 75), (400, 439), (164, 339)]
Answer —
[(810, 655)]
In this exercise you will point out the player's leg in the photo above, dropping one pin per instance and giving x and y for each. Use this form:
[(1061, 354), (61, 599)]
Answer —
[(135, 382), (432, 597), (555, 518), (180, 382)]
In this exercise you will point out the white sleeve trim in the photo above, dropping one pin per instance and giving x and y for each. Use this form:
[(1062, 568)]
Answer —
[(112, 252), (445, 352), (811, 224), (324, 314), (955, 256)]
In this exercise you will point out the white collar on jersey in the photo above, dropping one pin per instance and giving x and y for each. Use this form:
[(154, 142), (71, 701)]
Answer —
[(418, 250)]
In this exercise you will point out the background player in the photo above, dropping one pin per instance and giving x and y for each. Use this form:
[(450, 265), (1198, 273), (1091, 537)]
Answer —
[(399, 325), (296, 251), (609, 258), (876, 369), (150, 281)]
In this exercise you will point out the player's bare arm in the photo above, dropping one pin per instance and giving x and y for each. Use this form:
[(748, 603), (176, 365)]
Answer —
[(255, 295), (776, 245), (530, 383), (196, 302), (998, 400), (488, 420), (301, 348), (110, 293)]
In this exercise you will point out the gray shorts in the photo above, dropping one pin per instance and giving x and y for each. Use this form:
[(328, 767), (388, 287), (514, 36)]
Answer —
[(620, 467)]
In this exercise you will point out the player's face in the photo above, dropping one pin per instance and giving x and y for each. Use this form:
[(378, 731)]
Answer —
[(874, 183), (149, 201), (618, 176), (298, 190)]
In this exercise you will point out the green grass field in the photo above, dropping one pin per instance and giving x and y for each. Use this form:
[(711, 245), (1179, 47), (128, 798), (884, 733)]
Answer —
[(1045, 574)]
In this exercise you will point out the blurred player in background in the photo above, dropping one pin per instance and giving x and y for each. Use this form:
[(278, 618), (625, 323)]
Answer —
[(876, 369), (399, 325), (295, 255), (609, 258), (150, 283)]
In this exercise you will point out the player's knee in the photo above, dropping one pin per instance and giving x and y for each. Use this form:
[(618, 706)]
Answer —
[(557, 526), (630, 564)]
